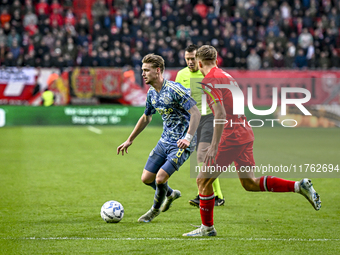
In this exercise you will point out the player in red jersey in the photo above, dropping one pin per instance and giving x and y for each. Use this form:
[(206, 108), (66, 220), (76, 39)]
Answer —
[(232, 142)]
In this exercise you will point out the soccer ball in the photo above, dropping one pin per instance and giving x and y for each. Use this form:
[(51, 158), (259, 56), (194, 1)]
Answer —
[(112, 212)]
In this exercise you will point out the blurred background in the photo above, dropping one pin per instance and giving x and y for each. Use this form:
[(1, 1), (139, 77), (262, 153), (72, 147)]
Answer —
[(88, 53)]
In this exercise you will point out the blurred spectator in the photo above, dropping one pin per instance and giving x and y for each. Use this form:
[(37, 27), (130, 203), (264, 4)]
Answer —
[(30, 19), (293, 38), (260, 48), (83, 24), (68, 61), (3, 37), (70, 49), (46, 61), (311, 56), (267, 60), (16, 22), (29, 59), (335, 60), (60, 62), (43, 22), (305, 39), (136, 60), (335, 16), (272, 27), (9, 59), (15, 49), (211, 13), (69, 18), (49, 40), (56, 6), (201, 8), (28, 7), (278, 60), (42, 49), (241, 55), (307, 20), (270, 38), (82, 38), (67, 4), (253, 60), (42, 7), (98, 10), (148, 8), (300, 59), (5, 17), (3, 52), (16, 6), (94, 59), (118, 19), (297, 9), (56, 20), (13, 36), (285, 10), (324, 60)]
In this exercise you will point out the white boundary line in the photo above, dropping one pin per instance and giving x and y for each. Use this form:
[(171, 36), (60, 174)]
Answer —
[(175, 239), (95, 130)]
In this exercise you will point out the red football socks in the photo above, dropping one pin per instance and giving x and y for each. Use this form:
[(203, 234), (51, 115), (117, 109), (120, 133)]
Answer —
[(207, 204), (274, 184)]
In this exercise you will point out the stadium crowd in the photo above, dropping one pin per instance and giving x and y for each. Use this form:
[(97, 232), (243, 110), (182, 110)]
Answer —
[(248, 34)]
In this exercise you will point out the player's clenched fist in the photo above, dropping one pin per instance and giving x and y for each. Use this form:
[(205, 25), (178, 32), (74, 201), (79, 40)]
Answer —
[(183, 143)]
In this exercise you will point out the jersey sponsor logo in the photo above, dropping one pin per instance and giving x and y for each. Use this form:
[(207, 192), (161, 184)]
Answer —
[(164, 111)]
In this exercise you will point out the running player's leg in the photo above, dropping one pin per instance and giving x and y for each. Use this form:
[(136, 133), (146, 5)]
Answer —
[(175, 159), (207, 203), (245, 165), (196, 201), (201, 151), (204, 140), (156, 159)]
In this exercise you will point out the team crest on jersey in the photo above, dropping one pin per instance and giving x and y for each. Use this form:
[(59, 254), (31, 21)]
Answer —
[(167, 100), (153, 101)]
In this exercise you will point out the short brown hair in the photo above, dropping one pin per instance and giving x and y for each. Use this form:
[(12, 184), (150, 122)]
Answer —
[(191, 48), (156, 61), (207, 54)]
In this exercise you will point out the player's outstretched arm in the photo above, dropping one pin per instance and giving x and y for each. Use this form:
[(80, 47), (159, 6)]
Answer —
[(141, 124), (218, 129), (194, 121)]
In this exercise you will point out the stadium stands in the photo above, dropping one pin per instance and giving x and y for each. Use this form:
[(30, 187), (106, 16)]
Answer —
[(249, 34)]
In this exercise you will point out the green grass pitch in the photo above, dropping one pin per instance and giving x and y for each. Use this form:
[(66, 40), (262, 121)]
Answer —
[(54, 180)]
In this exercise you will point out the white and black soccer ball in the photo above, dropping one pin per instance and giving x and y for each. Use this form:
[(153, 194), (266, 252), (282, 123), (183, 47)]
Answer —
[(112, 212)]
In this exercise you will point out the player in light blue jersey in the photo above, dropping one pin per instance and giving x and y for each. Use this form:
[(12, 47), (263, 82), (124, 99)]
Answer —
[(180, 120)]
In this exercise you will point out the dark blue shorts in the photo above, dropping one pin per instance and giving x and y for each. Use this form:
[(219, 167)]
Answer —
[(167, 157)]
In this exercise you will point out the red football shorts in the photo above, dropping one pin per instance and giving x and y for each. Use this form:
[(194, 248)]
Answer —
[(242, 155)]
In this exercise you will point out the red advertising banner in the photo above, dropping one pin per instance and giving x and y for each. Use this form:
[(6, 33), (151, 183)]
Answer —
[(133, 94), (324, 86), (83, 81), (108, 82)]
